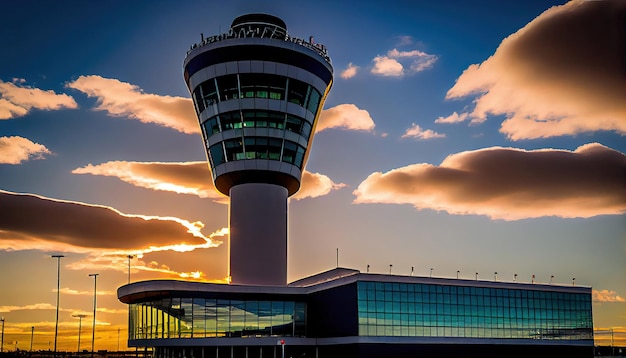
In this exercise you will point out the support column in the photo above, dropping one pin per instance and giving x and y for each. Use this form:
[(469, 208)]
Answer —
[(258, 234)]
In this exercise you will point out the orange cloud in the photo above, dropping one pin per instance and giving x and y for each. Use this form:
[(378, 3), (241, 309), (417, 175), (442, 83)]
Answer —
[(190, 178), (561, 74), (350, 71), (17, 100), (346, 116), (509, 183), (183, 178), (121, 99), (15, 150), (33, 222), (36, 306), (453, 118), (314, 185), (418, 132), (606, 296)]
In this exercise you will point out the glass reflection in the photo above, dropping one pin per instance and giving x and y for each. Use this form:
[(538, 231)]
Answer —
[(199, 317), (403, 309)]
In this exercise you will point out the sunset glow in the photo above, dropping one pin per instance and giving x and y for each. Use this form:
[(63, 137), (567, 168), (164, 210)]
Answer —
[(459, 138)]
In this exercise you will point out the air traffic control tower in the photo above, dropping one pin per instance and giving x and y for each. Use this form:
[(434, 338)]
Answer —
[(258, 93)]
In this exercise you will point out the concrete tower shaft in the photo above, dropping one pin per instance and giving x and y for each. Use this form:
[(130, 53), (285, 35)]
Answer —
[(258, 94)]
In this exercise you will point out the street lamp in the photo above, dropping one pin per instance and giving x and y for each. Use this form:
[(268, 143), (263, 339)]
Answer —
[(2, 342), (495, 276), (56, 326), (476, 277), (32, 333), (431, 272), (93, 329), (457, 274), (80, 325)]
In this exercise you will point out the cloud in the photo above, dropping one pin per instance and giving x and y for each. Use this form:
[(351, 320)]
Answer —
[(314, 185), (453, 118), (347, 116), (562, 74), (49, 307), (350, 71), (77, 227), (35, 306), (509, 183), (117, 260), (404, 40), (386, 66), (121, 99), (183, 178), (390, 65), (191, 178), (71, 292), (606, 296), (17, 100), (418, 133), (15, 150)]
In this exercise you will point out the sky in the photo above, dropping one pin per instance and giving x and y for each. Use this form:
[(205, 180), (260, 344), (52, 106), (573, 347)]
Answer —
[(459, 136)]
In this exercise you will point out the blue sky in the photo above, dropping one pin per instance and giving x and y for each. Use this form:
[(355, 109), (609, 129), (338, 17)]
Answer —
[(477, 136)]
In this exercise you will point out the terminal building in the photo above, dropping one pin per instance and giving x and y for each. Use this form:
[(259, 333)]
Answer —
[(258, 93)]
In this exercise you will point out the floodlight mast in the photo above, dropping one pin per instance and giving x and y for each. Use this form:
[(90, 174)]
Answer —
[(258, 93)]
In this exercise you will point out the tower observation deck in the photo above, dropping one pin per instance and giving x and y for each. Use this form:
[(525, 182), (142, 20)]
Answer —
[(258, 93)]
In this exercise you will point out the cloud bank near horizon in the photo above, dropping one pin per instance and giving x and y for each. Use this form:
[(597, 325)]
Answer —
[(104, 235), (79, 227), (561, 74), (508, 183)]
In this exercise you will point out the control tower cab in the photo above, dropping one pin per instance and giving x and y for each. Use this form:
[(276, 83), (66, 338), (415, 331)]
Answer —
[(258, 93)]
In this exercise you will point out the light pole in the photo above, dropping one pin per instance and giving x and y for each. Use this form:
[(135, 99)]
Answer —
[(32, 332), (93, 329), (431, 272), (476, 277), (457, 274), (2, 342), (495, 276), (80, 325), (129, 257), (56, 326)]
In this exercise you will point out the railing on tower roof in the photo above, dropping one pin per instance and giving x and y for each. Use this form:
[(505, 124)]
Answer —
[(269, 31)]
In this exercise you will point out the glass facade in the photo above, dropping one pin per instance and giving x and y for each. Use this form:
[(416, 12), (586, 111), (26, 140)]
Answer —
[(256, 85), (204, 317), (428, 310), (256, 147)]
